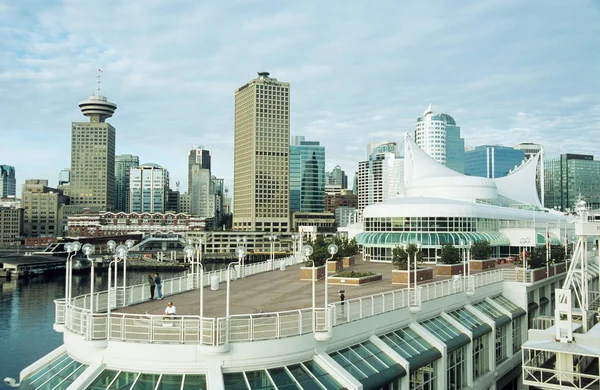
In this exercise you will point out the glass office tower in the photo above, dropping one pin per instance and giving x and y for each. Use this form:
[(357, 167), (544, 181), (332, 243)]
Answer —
[(492, 160), (307, 176), (570, 176)]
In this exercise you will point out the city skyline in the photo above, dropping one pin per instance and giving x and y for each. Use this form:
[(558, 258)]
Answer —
[(507, 72)]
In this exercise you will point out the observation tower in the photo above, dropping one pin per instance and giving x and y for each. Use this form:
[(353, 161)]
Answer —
[(97, 107)]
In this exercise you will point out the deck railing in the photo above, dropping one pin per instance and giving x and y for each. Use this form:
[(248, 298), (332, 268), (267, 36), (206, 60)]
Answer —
[(78, 318)]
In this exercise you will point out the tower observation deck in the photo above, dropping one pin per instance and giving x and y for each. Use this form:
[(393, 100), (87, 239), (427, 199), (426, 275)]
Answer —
[(97, 108)]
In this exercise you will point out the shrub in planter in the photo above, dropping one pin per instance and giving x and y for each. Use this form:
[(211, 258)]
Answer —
[(481, 250), (449, 254), (400, 256)]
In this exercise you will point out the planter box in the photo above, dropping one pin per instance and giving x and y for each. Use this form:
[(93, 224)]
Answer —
[(538, 274), (401, 276), (353, 281), (560, 268), (307, 272), (449, 269), (335, 266), (482, 265), (348, 261)]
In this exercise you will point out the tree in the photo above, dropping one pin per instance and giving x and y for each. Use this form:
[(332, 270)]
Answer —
[(449, 254), (401, 258), (481, 250)]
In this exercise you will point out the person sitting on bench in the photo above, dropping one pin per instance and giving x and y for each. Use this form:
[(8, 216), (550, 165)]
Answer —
[(170, 311)]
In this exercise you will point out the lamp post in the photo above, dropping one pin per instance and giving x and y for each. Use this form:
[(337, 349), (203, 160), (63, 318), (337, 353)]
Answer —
[(88, 250), (71, 248), (241, 252), (308, 250), (415, 272), (332, 249), (464, 251), (404, 248), (120, 254), (241, 241), (189, 254), (272, 238), (128, 245)]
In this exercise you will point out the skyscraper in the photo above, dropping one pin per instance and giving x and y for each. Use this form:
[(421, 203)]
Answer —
[(380, 178), (199, 156), (93, 156), (261, 155), (492, 160), (8, 181), (307, 176), (570, 176), (123, 165), (337, 177), (64, 177), (148, 189), (439, 137)]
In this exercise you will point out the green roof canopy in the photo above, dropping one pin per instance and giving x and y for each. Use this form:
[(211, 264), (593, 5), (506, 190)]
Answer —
[(429, 239)]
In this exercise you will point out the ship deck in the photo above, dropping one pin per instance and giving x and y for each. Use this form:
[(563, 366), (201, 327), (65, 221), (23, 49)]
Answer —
[(274, 291)]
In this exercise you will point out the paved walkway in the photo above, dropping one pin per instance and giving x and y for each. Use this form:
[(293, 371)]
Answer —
[(272, 292)]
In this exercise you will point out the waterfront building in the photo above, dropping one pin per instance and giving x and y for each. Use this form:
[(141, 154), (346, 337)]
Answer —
[(8, 181), (337, 177), (11, 221), (492, 160), (148, 185), (123, 165), (442, 206), (323, 221), (439, 136), (118, 224), (569, 177), (42, 209), (380, 177), (307, 176), (261, 155), (92, 183)]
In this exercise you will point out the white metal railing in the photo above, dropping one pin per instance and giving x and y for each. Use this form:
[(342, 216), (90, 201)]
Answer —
[(77, 317)]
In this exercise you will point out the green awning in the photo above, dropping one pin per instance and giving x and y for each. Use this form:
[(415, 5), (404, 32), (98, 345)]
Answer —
[(541, 239), (429, 239)]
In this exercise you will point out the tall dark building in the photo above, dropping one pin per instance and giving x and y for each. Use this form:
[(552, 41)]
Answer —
[(570, 176), (123, 165), (198, 156), (8, 181)]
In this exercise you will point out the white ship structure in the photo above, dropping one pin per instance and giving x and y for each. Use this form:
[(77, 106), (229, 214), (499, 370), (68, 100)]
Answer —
[(258, 326)]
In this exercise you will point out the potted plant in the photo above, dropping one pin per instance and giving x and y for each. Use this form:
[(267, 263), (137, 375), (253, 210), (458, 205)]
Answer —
[(450, 262), (348, 249), (480, 256), (402, 258)]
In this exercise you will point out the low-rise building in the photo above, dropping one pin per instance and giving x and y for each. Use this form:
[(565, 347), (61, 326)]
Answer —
[(43, 209), (11, 221)]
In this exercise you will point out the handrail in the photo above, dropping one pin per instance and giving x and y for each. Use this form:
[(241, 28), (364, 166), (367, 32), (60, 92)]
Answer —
[(128, 327)]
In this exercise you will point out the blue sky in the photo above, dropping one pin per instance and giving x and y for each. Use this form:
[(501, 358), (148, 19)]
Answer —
[(507, 71)]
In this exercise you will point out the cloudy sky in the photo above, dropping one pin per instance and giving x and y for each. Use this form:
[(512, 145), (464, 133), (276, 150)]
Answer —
[(508, 71)]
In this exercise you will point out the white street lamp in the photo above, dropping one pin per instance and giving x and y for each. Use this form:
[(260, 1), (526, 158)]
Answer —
[(308, 250), (404, 248), (88, 250), (332, 249), (464, 251), (120, 253), (272, 238), (128, 245), (189, 254), (415, 273), (241, 252)]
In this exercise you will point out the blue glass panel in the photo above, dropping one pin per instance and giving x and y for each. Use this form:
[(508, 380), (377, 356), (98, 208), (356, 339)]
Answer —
[(259, 380), (103, 380)]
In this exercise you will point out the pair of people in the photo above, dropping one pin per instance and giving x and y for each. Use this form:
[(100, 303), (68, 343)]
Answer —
[(155, 282)]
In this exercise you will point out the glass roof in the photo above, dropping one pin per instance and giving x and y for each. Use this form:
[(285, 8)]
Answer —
[(307, 375), (393, 239), (368, 364), (492, 312), (58, 374), (471, 322), (515, 311), (412, 347), (110, 379), (446, 332)]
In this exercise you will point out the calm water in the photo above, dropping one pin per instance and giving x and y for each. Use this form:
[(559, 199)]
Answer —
[(27, 315)]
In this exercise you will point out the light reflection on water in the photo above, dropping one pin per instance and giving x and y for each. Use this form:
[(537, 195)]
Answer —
[(27, 314)]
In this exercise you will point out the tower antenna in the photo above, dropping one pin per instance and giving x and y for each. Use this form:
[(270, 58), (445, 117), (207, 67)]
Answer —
[(98, 82)]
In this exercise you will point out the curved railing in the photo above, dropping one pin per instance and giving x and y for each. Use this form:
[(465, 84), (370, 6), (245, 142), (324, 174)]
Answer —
[(78, 318)]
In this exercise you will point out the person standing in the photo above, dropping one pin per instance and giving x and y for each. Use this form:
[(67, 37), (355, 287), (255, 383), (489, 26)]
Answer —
[(158, 282), (152, 286)]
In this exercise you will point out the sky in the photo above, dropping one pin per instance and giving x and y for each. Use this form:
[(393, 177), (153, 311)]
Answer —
[(508, 71)]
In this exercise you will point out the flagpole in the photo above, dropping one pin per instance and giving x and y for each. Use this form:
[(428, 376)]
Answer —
[(547, 252)]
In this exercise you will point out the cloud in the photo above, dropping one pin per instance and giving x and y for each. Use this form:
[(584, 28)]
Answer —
[(507, 71)]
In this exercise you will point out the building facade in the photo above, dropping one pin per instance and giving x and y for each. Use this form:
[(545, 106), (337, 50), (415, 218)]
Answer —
[(93, 157), (570, 176), (202, 196), (343, 199), (439, 136), (123, 165), (116, 224), (11, 221), (198, 156), (64, 177), (380, 178), (337, 177), (492, 160), (8, 181), (43, 208), (261, 155), (307, 176), (148, 187)]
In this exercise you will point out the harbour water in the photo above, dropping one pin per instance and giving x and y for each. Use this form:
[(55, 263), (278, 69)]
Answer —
[(27, 314)]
